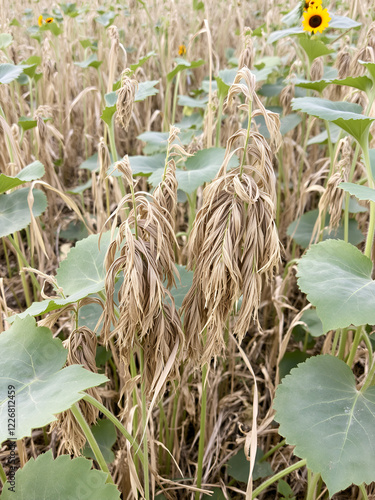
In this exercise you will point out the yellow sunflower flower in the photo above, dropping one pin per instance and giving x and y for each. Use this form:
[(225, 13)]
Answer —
[(315, 19), (49, 20), (312, 3), (40, 20), (181, 50)]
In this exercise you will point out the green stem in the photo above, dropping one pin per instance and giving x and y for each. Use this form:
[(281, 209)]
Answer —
[(218, 124), (116, 422), (371, 226), (175, 97), (363, 491), (344, 336), (192, 200), (166, 107), (170, 438), (273, 450), (247, 136), (91, 440), (3, 477), (202, 429), (313, 481), (335, 341), (133, 372), (146, 478), (278, 476), (20, 256), (112, 143), (353, 350)]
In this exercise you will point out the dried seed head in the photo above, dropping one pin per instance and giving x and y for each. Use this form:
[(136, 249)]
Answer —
[(343, 62), (286, 96), (81, 346), (104, 158), (125, 100), (124, 167), (247, 54), (166, 192), (317, 69)]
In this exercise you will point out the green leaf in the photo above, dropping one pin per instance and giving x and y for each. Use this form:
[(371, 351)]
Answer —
[(191, 102), (9, 72), (32, 362), (321, 138), (14, 210), (336, 277), (360, 192), (359, 82), (30, 65), (146, 89), (313, 323), (277, 35), (301, 230), (60, 479), (344, 114), (200, 168), (83, 269), (285, 490), (91, 163), (313, 48), (27, 123), (182, 287), (182, 65), (290, 360), (90, 62), (30, 173), (289, 122), (343, 22), (6, 39), (370, 68), (318, 403), (80, 188), (222, 87), (106, 19), (142, 60), (239, 467), (105, 435)]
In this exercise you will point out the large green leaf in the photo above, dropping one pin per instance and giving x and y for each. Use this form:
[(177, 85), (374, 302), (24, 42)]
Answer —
[(314, 48), (336, 277), (142, 60), (146, 89), (182, 65), (30, 173), (6, 39), (277, 35), (343, 22), (359, 82), (183, 286), (60, 479), (14, 210), (330, 423), (9, 72), (31, 361), (360, 192), (200, 168), (239, 467), (90, 62), (344, 114), (301, 230)]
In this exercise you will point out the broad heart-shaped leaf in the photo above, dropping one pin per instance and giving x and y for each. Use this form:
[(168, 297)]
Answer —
[(146, 89), (183, 286), (5, 40), (336, 277), (330, 422), (343, 22), (277, 35), (14, 210), (142, 165), (301, 230), (30, 173), (313, 48), (9, 72), (360, 192), (200, 168), (31, 361), (142, 60), (239, 467), (344, 114), (83, 268), (60, 479)]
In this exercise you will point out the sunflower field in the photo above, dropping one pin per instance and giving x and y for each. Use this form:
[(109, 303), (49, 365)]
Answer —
[(187, 279)]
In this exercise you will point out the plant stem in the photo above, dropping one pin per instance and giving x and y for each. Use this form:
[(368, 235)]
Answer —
[(218, 124), (247, 135), (175, 97), (313, 481), (202, 428), (273, 450), (371, 226), (344, 335), (146, 478), (116, 422), (278, 476), (91, 440), (363, 491), (112, 143), (3, 477), (353, 350)]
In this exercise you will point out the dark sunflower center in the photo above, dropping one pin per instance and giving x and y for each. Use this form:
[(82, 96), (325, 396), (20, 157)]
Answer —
[(315, 21)]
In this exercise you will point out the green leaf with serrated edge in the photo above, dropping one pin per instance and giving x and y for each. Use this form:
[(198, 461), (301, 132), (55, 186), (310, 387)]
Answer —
[(301, 230), (290, 360), (146, 89), (83, 268), (313, 48), (90, 62), (142, 60), (9, 72), (336, 277), (15, 212), (359, 82), (60, 479), (340, 113), (6, 39), (182, 65), (360, 192), (30, 173), (343, 22), (313, 323), (239, 467), (318, 403), (32, 362), (200, 168), (105, 435)]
